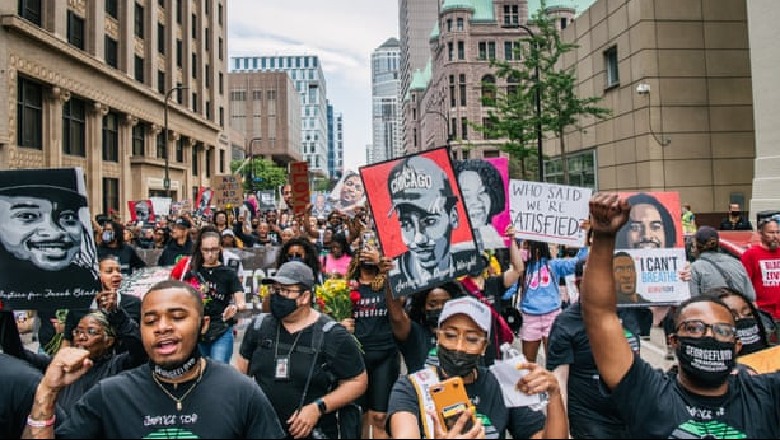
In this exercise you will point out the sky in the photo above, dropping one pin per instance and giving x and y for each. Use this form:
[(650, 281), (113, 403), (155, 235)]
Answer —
[(342, 33)]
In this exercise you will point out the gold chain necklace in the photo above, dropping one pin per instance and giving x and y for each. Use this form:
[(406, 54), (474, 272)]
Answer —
[(184, 396)]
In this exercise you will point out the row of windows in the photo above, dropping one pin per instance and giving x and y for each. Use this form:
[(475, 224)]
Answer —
[(486, 50), (511, 17), (275, 62)]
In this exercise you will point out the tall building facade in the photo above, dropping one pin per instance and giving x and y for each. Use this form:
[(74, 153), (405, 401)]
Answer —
[(335, 143), (266, 108), (86, 86), (385, 90), (415, 19), (306, 74)]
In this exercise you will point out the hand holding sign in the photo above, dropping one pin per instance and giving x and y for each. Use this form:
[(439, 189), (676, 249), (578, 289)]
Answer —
[(608, 213)]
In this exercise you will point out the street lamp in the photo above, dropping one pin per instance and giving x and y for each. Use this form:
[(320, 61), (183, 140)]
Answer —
[(167, 179), (537, 79)]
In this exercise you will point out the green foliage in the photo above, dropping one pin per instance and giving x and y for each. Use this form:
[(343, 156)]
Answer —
[(271, 175)]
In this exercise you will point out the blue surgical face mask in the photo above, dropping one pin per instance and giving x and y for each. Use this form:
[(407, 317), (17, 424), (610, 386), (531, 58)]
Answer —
[(108, 236)]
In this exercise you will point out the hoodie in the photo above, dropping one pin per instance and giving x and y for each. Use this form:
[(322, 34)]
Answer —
[(174, 251)]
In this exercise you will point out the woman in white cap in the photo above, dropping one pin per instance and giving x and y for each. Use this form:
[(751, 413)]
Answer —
[(462, 338)]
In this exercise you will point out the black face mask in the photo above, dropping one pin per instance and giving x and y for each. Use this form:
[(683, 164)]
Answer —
[(734, 213), (748, 334), (282, 307), (706, 361), (432, 317), (457, 363)]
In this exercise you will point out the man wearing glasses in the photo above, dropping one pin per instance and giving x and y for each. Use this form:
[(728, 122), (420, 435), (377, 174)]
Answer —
[(705, 397)]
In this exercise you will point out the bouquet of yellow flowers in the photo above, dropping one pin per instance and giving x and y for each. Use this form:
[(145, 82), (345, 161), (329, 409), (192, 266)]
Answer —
[(337, 297)]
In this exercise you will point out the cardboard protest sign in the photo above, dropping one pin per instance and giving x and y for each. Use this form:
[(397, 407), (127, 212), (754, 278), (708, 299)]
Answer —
[(266, 200), (348, 194), (320, 206), (141, 280), (141, 211), (484, 183), (47, 251), (548, 212), (299, 180), (421, 221), (655, 221), (161, 205), (203, 202), (764, 361), (227, 191), (646, 277)]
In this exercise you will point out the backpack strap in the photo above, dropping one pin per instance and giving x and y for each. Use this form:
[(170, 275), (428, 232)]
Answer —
[(422, 380), (729, 281)]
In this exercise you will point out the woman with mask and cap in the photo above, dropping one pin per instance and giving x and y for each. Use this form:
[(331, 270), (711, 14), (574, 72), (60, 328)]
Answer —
[(462, 338), (751, 330)]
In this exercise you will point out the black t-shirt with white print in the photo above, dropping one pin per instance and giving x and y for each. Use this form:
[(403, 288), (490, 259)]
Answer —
[(654, 405), (225, 404), (372, 326), (223, 283)]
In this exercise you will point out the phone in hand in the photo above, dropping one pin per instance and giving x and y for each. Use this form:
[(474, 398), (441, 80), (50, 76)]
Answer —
[(450, 399), (368, 242)]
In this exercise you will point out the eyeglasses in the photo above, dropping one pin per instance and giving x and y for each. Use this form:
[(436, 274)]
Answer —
[(295, 255), (91, 331), (471, 341), (697, 329), (286, 292)]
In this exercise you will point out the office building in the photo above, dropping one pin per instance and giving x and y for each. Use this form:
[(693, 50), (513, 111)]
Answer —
[(385, 90)]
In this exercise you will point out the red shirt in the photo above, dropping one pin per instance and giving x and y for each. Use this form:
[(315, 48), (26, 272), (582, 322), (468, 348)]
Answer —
[(763, 269)]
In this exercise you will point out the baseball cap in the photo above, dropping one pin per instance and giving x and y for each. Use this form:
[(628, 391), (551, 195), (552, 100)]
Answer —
[(228, 232), (182, 222), (469, 306), (419, 182), (706, 233), (52, 184), (292, 272)]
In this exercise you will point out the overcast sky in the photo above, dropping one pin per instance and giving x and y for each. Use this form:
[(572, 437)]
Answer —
[(343, 33)]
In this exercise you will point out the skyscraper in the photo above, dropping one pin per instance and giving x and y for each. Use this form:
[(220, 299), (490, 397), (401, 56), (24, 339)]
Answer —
[(335, 144), (385, 85), (306, 73)]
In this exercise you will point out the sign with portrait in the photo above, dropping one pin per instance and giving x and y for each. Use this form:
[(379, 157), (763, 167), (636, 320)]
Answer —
[(47, 250), (484, 183), (141, 211), (348, 194), (762, 362), (320, 205), (655, 221), (548, 212), (299, 181), (227, 191), (650, 277), (266, 200), (203, 201), (421, 220)]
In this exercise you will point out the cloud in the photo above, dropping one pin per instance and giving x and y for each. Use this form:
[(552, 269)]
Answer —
[(342, 33)]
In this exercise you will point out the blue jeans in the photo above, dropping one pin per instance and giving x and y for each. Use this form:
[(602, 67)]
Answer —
[(221, 349)]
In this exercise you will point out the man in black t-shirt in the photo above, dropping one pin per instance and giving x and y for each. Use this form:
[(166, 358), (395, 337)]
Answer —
[(177, 395), (19, 383), (705, 399)]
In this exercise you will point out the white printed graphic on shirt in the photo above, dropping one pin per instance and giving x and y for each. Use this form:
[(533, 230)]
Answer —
[(770, 272)]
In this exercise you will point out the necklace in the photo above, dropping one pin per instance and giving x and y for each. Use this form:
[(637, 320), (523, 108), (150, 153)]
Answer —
[(184, 396), (276, 348)]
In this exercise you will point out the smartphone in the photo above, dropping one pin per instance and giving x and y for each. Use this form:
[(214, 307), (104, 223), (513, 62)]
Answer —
[(450, 399), (368, 242)]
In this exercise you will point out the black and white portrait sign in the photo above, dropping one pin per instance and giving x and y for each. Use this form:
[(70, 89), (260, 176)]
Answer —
[(47, 249)]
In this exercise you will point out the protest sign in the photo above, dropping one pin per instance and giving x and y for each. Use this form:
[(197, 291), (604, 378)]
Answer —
[(299, 180), (227, 191), (548, 212), (421, 221), (764, 361), (141, 280), (266, 200), (348, 194), (203, 201), (655, 221), (49, 263), (645, 277), (484, 183), (161, 205), (141, 211), (320, 206)]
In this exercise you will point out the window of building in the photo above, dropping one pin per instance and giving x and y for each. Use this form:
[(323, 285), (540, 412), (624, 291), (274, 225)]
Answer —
[(207, 43), (180, 148), (221, 161), (207, 109), (582, 169), (450, 51), (491, 154), (111, 50), (511, 15), (110, 194), (139, 140), (491, 50), (161, 81), (178, 11), (161, 38), (139, 69), (512, 83), (179, 93), (464, 128), (207, 76), (221, 48), (219, 15), (465, 154), (462, 86), (461, 51), (194, 66), (161, 3), (195, 102), (564, 23), (194, 166), (75, 30), (161, 146), (459, 24), (511, 50), (139, 21), (111, 137), (29, 114), (611, 65), (488, 90), (73, 127), (221, 116), (179, 53), (453, 128), (449, 25), (221, 83), (482, 50), (207, 6), (209, 152), (30, 10), (487, 123), (194, 26)]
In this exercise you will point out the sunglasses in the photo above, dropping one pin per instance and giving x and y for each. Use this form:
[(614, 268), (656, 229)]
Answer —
[(295, 255)]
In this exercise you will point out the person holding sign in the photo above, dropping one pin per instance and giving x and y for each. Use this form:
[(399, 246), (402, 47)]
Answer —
[(705, 397), (650, 225), (483, 194)]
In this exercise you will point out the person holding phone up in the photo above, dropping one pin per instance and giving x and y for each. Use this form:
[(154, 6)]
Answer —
[(462, 338)]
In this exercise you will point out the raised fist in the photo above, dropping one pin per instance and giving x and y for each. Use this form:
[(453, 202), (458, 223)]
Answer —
[(608, 213)]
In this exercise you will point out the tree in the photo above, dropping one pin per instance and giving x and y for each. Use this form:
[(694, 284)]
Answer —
[(261, 174), (561, 107)]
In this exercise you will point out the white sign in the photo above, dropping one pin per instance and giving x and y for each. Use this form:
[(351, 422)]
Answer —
[(161, 205), (548, 212), (650, 276)]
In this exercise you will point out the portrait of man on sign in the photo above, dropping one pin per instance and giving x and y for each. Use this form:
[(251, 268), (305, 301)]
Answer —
[(141, 211), (47, 251), (650, 225)]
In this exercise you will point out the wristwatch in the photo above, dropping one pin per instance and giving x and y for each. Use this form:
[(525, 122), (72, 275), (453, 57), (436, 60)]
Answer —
[(321, 406)]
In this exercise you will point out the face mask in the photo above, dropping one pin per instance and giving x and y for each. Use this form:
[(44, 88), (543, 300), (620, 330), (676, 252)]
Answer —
[(735, 213), (747, 332), (298, 259), (432, 317), (706, 361), (457, 363), (282, 307), (108, 236)]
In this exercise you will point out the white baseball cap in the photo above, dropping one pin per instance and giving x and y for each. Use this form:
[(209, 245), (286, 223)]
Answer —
[(469, 306)]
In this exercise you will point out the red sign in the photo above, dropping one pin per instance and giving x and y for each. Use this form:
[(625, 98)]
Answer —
[(299, 181)]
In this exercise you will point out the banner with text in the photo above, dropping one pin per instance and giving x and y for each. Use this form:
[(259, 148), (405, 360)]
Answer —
[(161, 205), (299, 181), (548, 212), (650, 277), (227, 191)]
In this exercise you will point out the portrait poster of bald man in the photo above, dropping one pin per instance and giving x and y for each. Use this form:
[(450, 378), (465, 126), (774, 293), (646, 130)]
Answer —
[(47, 251), (650, 252), (421, 220), (141, 211)]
